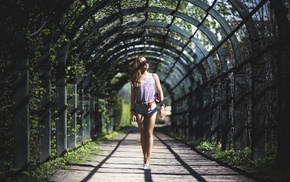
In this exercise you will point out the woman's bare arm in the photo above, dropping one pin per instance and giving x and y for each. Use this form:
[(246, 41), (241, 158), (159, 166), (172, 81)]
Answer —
[(158, 87)]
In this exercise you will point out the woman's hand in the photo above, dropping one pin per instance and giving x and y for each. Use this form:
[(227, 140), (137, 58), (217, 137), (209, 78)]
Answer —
[(133, 117), (161, 111)]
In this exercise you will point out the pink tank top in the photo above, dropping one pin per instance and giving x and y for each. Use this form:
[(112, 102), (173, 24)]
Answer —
[(146, 91)]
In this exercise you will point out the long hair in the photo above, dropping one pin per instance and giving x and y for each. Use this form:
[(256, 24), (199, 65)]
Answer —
[(136, 73)]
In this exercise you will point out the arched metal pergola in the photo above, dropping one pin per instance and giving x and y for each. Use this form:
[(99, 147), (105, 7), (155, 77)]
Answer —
[(224, 64)]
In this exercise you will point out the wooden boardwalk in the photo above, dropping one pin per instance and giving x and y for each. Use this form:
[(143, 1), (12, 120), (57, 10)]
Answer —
[(121, 161)]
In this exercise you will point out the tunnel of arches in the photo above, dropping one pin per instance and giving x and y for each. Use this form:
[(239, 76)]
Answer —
[(223, 63)]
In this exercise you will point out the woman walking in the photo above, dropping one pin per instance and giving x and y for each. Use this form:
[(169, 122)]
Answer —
[(143, 107)]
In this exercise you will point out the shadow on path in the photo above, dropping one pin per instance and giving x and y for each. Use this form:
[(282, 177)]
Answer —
[(89, 176), (172, 160), (184, 164)]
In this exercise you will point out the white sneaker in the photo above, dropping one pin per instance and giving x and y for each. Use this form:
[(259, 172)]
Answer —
[(146, 166)]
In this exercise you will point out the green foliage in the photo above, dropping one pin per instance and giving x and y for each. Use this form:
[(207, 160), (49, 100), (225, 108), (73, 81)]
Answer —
[(163, 4), (240, 157), (6, 124), (126, 115), (103, 114), (234, 157), (121, 113), (231, 156), (206, 145), (118, 102)]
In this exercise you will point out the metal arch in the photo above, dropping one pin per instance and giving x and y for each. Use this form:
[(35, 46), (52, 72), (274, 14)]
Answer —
[(170, 12), (125, 38), (119, 48), (199, 4), (174, 28), (106, 56), (157, 36), (224, 25), (210, 64), (174, 74), (170, 81), (156, 24), (174, 79), (159, 45), (115, 57), (250, 24), (171, 49), (197, 44), (118, 57), (187, 35), (190, 20), (203, 76), (195, 41), (201, 73), (107, 20), (194, 55), (130, 60), (113, 44), (166, 83), (198, 55), (245, 21), (92, 10), (185, 85)]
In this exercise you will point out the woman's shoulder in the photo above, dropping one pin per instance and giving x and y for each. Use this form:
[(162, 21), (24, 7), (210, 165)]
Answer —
[(155, 75)]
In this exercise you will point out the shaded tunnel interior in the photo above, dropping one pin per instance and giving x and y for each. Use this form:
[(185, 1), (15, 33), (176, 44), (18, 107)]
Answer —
[(224, 63)]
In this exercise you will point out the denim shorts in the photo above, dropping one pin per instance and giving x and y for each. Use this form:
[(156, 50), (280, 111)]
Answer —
[(144, 110)]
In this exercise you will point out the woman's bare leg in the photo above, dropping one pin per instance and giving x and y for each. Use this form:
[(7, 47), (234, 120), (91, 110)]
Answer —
[(149, 126), (142, 128)]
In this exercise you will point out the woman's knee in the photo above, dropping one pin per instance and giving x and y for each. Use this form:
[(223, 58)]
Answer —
[(149, 134)]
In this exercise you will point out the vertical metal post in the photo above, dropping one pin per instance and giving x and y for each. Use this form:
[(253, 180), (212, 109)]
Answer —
[(61, 123), (61, 102), (213, 113), (99, 122), (283, 146), (219, 111), (93, 113), (21, 100), (72, 110), (87, 107), (45, 114), (80, 108), (191, 109), (111, 119), (249, 103), (225, 120), (240, 119), (86, 117)]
